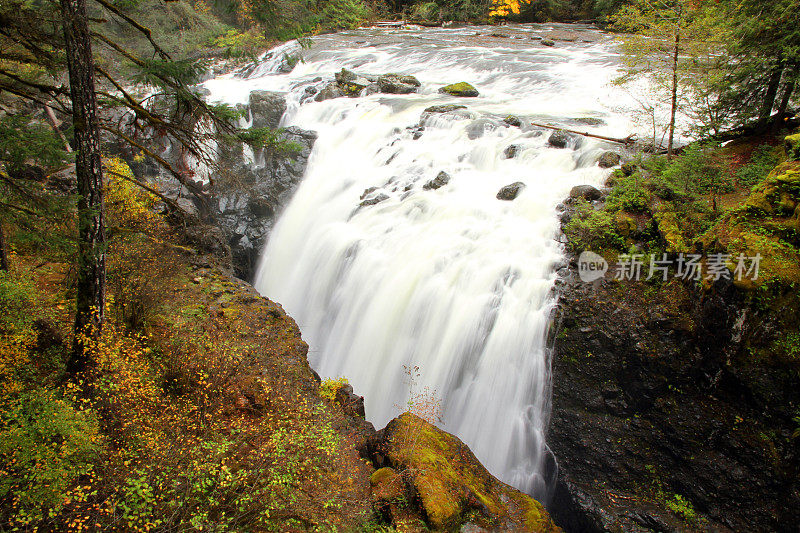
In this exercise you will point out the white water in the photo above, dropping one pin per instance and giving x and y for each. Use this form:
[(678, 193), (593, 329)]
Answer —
[(451, 280)]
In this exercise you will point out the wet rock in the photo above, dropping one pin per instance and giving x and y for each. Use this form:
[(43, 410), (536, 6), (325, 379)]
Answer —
[(461, 89), (328, 92), (374, 200), (442, 179), (511, 151), (559, 139), (267, 108), (511, 191), (513, 120), (246, 197), (367, 192), (446, 108), (586, 192), (478, 128), (398, 84), (608, 160), (548, 42), (499, 35)]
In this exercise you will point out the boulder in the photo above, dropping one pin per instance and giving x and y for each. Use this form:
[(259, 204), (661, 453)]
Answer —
[(559, 139), (398, 84), (548, 42), (587, 192), (461, 89), (608, 159), (511, 151), (442, 179), (513, 120), (511, 191), (451, 487), (267, 108)]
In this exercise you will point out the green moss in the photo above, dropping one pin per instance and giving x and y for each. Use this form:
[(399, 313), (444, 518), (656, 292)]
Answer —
[(463, 89), (667, 222), (792, 145)]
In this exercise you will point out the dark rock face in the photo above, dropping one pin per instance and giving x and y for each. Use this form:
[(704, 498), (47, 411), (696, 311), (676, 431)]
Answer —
[(663, 419), (267, 108), (248, 197), (510, 192), (608, 160), (586, 192), (559, 139), (439, 181)]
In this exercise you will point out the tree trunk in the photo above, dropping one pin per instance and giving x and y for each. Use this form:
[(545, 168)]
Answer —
[(3, 256), (90, 309), (674, 104), (770, 96), (788, 90)]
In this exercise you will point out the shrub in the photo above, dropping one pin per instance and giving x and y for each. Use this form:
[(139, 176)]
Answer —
[(699, 170), (761, 163), (592, 230), (46, 444)]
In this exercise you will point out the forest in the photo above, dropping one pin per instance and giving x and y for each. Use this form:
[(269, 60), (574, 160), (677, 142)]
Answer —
[(146, 385)]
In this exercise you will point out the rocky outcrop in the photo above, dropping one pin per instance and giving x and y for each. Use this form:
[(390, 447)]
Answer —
[(461, 89), (248, 196), (673, 408), (426, 472), (266, 108), (397, 84)]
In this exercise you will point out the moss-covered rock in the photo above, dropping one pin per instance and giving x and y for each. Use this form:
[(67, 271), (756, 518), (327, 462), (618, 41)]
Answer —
[(453, 488), (462, 89), (667, 223), (792, 145)]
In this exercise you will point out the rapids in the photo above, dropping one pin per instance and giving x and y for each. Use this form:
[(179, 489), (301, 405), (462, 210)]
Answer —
[(452, 281)]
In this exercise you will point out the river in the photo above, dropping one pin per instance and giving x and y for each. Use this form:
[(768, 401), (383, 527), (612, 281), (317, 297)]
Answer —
[(452, 280)]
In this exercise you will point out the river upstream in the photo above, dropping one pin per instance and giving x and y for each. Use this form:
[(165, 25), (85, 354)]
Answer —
[(453, 281)]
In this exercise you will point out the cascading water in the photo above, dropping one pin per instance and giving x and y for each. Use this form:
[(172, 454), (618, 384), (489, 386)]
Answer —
[(452, 280)]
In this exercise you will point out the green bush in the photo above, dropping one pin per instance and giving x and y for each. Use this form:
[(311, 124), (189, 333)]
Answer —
[(699, 170), (761, 163), (592, 230), (45, 446)]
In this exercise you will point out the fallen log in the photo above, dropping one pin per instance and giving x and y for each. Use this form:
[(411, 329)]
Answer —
[(630, 139)]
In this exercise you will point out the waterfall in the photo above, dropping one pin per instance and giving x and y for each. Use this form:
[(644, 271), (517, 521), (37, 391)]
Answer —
[(451, 280)]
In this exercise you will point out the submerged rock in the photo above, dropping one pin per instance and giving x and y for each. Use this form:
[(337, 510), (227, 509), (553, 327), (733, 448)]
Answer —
[(461, 89), (510, 192), (374, 200), (608, 160), (548, 42), (439, 181), (511, 151)]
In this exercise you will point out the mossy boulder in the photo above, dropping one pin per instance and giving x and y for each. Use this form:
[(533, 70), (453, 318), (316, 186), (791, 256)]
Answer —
[(462, 89), (453, 488), (778, 194), (792, 145), (668, 226)]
